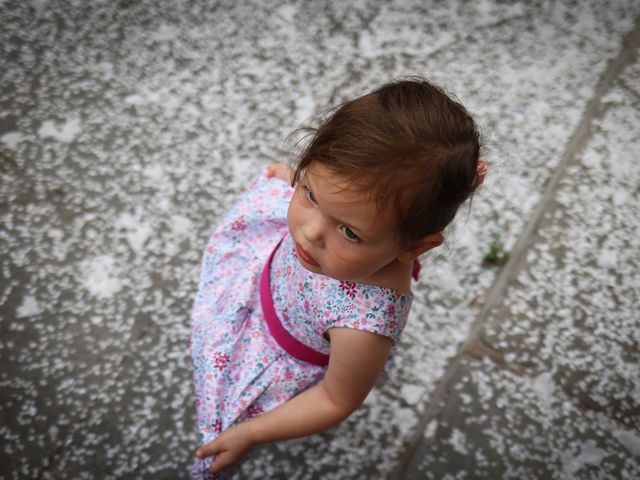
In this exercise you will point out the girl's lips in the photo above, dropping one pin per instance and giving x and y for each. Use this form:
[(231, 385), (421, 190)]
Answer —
[(305, 257)]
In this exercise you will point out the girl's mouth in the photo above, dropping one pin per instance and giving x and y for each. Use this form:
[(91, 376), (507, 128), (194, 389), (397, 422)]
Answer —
[(305, 257)]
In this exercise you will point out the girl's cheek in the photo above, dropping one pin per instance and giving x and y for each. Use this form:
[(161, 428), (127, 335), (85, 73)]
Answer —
[(345, 252), (292, 213)]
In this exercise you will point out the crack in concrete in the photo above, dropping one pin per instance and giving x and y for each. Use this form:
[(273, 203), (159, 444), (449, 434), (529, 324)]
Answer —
[(479, 348)]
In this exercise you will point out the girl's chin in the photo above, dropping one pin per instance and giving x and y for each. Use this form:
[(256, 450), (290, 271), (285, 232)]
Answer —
[(311, 268), (320, 271)]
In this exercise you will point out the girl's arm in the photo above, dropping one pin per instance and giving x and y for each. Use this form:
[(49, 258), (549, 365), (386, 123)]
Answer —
[(356, 359)]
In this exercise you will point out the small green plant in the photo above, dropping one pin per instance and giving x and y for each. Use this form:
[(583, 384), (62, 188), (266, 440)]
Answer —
[(497, 254)]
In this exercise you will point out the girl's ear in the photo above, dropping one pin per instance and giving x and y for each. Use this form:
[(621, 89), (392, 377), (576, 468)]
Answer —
[(422, 246)]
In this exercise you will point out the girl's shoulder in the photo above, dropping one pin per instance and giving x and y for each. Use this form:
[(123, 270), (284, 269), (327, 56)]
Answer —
[(367, 307)]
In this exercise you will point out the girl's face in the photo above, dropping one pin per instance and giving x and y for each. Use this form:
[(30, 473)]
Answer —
[(339, 231)]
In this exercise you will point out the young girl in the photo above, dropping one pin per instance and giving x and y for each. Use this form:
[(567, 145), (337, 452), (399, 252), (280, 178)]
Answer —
[(304, 292)]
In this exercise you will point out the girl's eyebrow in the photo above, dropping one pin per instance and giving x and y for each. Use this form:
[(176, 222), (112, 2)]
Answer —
[(359, 231)]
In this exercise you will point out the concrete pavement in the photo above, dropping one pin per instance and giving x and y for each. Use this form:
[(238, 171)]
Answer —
[(126, 128)]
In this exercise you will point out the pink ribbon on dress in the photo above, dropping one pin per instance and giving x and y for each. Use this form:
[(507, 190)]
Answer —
[(415, 271), (289, 344)]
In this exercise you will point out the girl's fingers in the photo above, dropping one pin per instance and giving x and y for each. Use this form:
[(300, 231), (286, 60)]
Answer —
[(280, 170), (217, 464), (208, 449), (222, 461)]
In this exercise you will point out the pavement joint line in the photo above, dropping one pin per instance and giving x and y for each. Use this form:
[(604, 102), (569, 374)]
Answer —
[(630, 45), (629, 48)]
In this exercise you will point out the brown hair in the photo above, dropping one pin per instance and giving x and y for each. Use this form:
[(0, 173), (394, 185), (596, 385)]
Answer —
[(409, 145)]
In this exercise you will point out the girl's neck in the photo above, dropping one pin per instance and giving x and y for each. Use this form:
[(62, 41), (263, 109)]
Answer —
[(395, 275)]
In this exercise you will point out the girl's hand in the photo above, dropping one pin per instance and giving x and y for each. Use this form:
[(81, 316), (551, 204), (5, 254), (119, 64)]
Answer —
[(280, 170), (228, 447)]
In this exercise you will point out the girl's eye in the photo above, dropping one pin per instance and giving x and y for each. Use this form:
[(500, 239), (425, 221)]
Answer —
[(308, 194), (349, 235)]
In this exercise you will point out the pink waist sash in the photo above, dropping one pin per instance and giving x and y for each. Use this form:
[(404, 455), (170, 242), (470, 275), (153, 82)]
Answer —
[(289, 344)]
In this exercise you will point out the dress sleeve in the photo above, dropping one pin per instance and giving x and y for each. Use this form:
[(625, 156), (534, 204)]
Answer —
[(383, 311)]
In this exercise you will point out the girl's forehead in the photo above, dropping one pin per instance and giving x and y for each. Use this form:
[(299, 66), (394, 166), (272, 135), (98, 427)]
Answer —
[(347, 201), (337, 189)]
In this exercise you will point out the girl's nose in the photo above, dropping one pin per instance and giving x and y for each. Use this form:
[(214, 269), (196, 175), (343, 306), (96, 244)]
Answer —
[(313, 231)]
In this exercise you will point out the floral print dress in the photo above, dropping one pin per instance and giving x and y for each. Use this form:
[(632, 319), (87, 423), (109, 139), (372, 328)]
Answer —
[(240, 371)]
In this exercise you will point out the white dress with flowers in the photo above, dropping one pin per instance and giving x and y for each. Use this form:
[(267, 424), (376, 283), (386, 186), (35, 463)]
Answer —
[(239, 369)]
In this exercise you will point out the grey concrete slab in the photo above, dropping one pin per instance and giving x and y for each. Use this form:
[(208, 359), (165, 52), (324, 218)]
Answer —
[(555, 394), (141, 424), (498, 422), (126, 128)]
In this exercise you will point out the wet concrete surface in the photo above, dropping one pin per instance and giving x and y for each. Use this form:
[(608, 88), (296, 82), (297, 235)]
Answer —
[(126, 128)]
